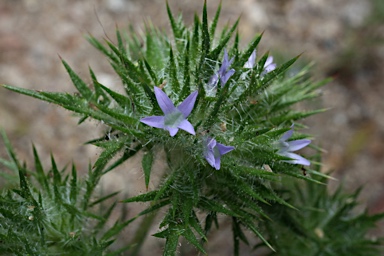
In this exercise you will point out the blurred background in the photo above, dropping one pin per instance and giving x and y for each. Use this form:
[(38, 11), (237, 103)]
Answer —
[(344, 39)]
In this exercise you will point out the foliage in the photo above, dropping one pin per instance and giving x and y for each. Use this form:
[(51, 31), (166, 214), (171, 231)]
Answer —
[(246, 112), (324, 224), (48, 212)]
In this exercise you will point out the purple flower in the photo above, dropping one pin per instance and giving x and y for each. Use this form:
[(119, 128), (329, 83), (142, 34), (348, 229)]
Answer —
[(214, 151), (251, 62), (286, 148), (224, 74), (268, 65), (174, 118)]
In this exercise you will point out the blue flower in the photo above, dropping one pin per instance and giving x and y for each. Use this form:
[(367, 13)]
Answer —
[(286, 148), (174, 118), (214, 151), (269, 65), (251, 62), (224, 74)]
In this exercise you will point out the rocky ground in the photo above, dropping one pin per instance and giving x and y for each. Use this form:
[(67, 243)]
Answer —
[(344, 39)]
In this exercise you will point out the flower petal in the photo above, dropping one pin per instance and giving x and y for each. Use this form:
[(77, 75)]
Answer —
[(186, 126), (224, 64), (210, 143), (210, 158), (172, 131), (223, 149), (270, 68), (187, 105), (213, 80), (287, 135), (217, 163), (251, 62), (268, 61), (154, 121), (226, 77), (297, 144), (297, 159), (165, 103), (230, 61)]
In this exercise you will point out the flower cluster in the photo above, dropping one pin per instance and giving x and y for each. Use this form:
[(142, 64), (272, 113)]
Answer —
[(175, 118)]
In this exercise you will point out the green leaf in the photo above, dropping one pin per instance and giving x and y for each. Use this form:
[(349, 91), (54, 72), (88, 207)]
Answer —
[(131, 69), (94, 176), (214, 206), (257, 173), (250, 225), (237, 236), (10, 165), (171, 242), (186, 90), (130, 86), (166, 187), (9, 148), (273, 74), (211, 217), (56, 181), (212, 117), (147, 78), (40, 175), (237, 232), (155, 55), (120, 43), (74, 188), (150, 196), (235, 48), (151, 96), (223, 42), (247, 53), (107, 213), (78, 83), (150, 71), (93, 41), (100, 200), (172, 71), (55, 171), (298, 175), (24, 187), (153, 208), (147, 162), (294, 116), (212, 29), (128, 153), (116, 229), (122, 117), (190, 236), (195, 37), (206, 42), (99, 97), (175, 29)]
